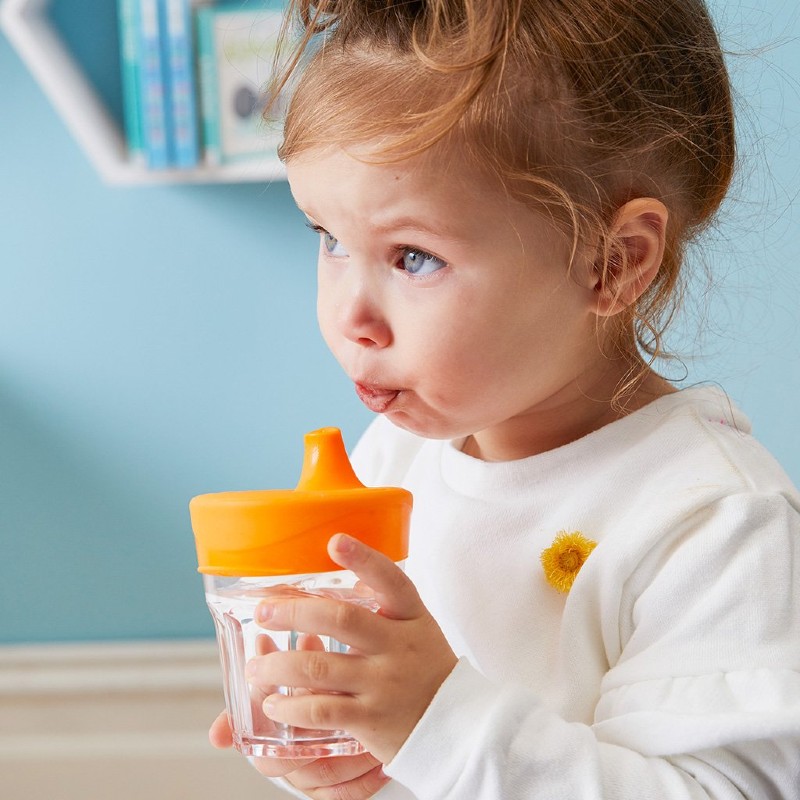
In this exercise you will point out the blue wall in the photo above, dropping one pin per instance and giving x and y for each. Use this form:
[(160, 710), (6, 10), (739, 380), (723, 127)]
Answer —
[(157, 342)]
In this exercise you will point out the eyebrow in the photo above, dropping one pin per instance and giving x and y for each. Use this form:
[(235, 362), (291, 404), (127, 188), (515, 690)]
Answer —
[(416, 224), (403, 224)]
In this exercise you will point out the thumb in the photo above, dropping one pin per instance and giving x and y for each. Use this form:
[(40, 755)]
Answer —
[(394, 591)]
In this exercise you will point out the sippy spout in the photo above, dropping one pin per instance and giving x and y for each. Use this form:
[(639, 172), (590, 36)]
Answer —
[(326, 464)]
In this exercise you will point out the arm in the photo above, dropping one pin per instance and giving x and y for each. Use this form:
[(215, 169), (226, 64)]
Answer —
[(728, 728)]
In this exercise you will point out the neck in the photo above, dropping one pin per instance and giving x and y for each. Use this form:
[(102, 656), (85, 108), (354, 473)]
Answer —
[(577, 410)]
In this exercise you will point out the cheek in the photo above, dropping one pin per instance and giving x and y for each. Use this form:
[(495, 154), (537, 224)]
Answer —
[(457, 356), (482, 348)]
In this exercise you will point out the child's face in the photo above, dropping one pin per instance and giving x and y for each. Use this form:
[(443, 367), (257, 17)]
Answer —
[(448, 304)]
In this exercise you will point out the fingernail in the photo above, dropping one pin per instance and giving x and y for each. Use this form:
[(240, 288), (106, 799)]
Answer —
[(344, 544), (264, 612)]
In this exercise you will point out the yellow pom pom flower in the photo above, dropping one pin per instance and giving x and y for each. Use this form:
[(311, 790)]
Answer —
[(562, 561)]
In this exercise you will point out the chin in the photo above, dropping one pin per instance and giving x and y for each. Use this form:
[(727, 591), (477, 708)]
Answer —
[(426, 429)]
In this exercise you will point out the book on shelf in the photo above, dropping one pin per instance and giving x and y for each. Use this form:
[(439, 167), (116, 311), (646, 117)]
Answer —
[(178, 53), (128, 19), (158, 82), (193, 76), (153, 86), (235, 50)]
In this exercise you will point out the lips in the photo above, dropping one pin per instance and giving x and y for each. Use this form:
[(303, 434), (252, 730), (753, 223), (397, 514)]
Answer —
[(376, 398)]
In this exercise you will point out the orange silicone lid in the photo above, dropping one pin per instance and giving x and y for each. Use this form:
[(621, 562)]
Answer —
[(286, 532)]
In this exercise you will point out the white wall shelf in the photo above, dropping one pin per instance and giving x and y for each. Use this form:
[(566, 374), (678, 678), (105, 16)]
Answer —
[(62, 79)]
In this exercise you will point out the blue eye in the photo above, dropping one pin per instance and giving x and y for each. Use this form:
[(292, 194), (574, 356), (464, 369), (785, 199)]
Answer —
[(418, 262), (332, 245)]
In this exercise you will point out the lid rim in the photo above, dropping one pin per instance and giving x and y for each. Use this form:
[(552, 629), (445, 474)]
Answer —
[(286, 531)]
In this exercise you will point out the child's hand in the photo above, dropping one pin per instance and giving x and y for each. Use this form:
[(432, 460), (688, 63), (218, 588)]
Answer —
[(379, 690), (355, 777)]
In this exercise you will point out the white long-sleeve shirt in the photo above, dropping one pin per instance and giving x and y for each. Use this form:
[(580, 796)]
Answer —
[(671, 669)]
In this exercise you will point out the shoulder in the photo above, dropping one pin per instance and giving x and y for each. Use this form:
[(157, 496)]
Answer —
[(685, 496), (697, 440), (384, 453)]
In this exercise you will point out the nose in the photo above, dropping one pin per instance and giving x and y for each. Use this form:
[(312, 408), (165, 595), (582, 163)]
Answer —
[(361, 315)]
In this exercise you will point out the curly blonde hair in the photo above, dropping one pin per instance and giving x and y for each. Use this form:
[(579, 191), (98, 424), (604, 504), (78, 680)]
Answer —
[(576, 106)]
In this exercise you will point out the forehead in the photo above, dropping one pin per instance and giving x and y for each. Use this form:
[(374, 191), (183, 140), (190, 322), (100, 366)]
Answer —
[(436, 190)]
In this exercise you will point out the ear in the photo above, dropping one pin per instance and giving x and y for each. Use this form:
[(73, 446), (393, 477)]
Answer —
[(637, 234)]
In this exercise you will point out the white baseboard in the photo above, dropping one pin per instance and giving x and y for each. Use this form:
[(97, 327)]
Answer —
[(124, 721)]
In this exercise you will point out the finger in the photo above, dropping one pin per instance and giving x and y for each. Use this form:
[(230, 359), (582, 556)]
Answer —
[(333, 770), (345, 622), (220, 732), (265, 644), (307, 669), (327, 712), (307, 641), (361, 788), (279, 767), (394, 591)]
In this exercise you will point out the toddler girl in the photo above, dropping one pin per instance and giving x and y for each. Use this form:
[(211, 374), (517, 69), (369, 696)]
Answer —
[(602, 596)]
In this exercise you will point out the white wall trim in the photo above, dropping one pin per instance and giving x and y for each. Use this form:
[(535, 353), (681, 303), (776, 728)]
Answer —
[(127, 720), (104, 668), (57, 695)]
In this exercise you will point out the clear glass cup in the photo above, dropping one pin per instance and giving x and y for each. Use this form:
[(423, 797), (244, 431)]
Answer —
[(232, 602)]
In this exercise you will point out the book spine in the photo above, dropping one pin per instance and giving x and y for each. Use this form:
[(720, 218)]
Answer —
[(152, 88), (178, 55), (209, 87), (128, 18)]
